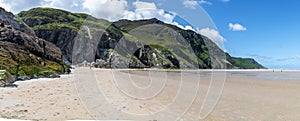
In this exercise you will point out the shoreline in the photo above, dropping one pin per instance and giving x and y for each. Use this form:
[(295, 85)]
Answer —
[(243, 96), (166, 70), (227, 70)]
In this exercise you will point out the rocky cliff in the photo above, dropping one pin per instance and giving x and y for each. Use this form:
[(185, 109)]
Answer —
[(136, 44), (25, 55)]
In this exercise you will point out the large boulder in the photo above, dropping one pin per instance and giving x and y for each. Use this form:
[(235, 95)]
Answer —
[(5, 78)]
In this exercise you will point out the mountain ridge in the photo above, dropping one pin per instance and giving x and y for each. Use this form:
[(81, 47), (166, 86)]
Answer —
[(62, 28)]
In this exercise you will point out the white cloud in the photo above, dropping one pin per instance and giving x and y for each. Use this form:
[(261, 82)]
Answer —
[(187, 27), (213, 35), (297, 57), (204, 2), (147, 10), (4, 5), (108, 9), (194, 3), (143, 10), (70, 5), (144, 5), (225, 1), (261, 57), (190, 4), (52, 3), (236, 27), (114, 10), (17, 6)]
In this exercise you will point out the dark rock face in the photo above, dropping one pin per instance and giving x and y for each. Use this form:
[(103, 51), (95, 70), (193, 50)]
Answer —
[(8, 18), (148, 57), (63, 38), (24, 54), (32, 44)]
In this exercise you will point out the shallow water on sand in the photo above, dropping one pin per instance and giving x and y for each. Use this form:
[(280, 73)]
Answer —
[(288, 76), (267, 75)]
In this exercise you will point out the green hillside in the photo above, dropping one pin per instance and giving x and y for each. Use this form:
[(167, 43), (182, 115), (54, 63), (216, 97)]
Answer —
[(173, 47)]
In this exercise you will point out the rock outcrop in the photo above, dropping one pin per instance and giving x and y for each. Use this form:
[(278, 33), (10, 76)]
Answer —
[(23, 54), (10, 19)]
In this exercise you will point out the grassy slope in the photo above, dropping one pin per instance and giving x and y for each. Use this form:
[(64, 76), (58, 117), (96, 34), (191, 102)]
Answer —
[(17, 61), (50, 19), (243, 63)]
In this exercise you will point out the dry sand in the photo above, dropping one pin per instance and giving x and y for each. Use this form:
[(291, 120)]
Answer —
[(42, 99), (254, 95)]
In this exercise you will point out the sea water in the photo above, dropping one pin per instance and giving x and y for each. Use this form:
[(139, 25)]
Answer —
[(270, 75)]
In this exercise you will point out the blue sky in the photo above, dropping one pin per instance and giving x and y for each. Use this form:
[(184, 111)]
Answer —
[(266, 30), (273, 30)]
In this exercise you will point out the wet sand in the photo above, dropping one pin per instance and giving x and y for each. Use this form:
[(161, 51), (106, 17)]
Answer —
[(247, 95)]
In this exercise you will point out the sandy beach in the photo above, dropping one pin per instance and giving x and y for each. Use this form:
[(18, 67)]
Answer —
[(247, 95), (42, 99)]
